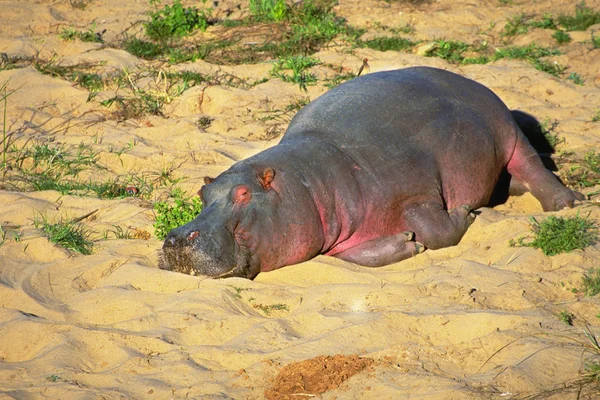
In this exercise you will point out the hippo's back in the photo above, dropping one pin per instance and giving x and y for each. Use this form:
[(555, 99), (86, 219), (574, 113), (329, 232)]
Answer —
[(439, 125)]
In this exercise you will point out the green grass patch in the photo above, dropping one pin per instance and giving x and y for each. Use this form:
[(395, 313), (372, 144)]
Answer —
[(294, 69), (176, 21), (561, 37), (556, 235), (179, 210), (576, 78), (596, 117), (566, 317), (269, 10), (70, 235), (590, 282), (386, 43), (79, 73), (584, 18), (586, 173), (89, 36)]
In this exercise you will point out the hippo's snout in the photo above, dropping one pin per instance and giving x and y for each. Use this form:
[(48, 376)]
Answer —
[(194, 251)]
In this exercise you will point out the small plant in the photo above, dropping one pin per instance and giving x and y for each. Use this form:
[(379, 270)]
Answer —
[(67, 234), (516, 25), (576, 78), (269, 10), (176, 21), (449, 50), (269, 308), (595, 41), (587, 173), (169, 215), (298, 65), (596, 117), (547, 22), (567, 317), (385, 43), (557, 235), (590, 283), (561, 37), (89, 36), (584, 18), (204, 122)]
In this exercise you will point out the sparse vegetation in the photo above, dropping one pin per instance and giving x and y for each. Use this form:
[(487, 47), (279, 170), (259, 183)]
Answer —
[(561, 37), (298, 65), (172, 214), (176, 21), (586, 173), (556, 235), (386, 43), (70, 235), (584, 18), (566, 317), (85, 36), (590, 282), (576, 78)]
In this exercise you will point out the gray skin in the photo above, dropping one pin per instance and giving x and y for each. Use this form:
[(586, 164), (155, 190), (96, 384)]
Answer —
[(372, 172)]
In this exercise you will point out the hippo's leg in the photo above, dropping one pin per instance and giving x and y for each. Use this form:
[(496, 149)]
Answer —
[(526, 166), (383, 251), (436, 227)]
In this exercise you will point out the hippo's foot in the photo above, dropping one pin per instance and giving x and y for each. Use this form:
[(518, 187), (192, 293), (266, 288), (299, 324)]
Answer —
[(436, 227), (383, 251)]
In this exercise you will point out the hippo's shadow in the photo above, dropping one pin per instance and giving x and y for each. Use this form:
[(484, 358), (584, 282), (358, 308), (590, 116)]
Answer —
[(532, 129)]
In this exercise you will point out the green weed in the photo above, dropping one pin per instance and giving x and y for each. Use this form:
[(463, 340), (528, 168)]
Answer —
[(586, 173), (170, 215), (561, 37), (596, 117), (590, 283), (450, 50), (176, 21), (143, 49), (516, 25), (67, 234), (566, 317), (269, 10), (77, 73), (298, 65), (547, 22), (556, 235), (269, 308), (90, 35), (584, 18), (576, 78), (384, 43)]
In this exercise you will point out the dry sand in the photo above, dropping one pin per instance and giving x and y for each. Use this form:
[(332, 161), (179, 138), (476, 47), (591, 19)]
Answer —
[(478, 320)]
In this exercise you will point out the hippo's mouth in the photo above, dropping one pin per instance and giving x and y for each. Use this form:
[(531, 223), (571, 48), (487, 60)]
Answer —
[(190, 259)]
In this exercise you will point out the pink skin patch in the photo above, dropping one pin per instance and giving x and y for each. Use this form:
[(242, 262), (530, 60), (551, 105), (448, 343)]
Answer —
[(192, 235)]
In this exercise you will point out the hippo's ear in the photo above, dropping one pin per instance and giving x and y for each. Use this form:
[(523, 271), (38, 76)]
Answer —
[(208, 180), (266, 177)]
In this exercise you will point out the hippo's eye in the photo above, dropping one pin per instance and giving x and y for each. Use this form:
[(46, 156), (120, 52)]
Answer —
[(241, 194)]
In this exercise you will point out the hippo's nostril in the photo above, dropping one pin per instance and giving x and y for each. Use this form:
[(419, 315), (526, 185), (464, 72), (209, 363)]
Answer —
[(192, 235)]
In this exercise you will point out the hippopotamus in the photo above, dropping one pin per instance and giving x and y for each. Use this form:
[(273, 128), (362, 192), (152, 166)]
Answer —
[(374, 171)]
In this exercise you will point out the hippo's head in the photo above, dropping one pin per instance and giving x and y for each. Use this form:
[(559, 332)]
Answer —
[(233, 235)]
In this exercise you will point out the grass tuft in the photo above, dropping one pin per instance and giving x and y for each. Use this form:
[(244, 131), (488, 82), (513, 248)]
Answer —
[(67, 234), (298, 65), (170, 215), (557, 235), (176, 21), (584, 18)]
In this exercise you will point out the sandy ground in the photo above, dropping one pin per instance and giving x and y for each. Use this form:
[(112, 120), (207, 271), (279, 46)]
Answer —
[(478, 320)]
